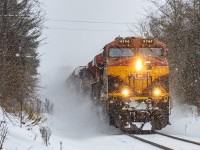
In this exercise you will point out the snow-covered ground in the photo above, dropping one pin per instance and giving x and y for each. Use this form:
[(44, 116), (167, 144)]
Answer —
[(184, 120), (76, 126)]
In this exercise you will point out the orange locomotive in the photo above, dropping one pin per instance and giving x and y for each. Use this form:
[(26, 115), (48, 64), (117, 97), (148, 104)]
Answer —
[(130, 80)]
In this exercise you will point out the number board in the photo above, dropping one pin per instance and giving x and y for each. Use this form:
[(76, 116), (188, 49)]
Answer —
[(147, 41), (124, 41)]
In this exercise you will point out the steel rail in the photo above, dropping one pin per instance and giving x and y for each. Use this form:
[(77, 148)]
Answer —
[(177, 138), (149, 142)]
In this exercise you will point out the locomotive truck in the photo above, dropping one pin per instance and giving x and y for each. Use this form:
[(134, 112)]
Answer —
[(130, 81)]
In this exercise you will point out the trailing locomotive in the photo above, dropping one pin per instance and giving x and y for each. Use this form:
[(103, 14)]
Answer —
[(129, 79)]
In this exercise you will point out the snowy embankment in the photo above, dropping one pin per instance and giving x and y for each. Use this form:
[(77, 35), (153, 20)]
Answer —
[(25, 138), (76, 126), (184, 121)]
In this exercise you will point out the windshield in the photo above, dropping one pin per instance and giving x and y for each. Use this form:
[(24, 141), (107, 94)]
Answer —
[(151, 51), (121, 52)]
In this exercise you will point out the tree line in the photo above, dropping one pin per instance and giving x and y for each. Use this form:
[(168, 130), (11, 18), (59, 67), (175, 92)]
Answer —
[(20, 30), (177, 23)]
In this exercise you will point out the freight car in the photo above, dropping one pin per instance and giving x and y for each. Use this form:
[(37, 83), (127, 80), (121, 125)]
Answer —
[(129, 79)]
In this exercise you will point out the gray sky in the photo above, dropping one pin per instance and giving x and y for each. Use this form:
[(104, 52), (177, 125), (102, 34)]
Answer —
[(75, 47)]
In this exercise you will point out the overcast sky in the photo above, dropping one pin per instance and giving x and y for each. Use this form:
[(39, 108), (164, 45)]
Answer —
[(73, 43)]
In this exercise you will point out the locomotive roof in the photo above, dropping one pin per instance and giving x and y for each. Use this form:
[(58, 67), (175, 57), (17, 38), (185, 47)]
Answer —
[(135, 39)]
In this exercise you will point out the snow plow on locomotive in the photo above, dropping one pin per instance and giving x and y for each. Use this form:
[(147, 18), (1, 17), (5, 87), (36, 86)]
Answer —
[(129, 79)]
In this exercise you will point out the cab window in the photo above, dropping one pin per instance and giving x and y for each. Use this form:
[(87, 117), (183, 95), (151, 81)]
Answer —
[(121, 52), (151, 52)]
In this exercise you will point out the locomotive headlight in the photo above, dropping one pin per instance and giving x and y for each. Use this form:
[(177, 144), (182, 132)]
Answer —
[(139, 65), (157, 92), (125, 92)]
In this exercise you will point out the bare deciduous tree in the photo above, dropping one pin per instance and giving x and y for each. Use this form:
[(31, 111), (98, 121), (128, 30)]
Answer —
[(177, 23), (3, 133), (46, 133)]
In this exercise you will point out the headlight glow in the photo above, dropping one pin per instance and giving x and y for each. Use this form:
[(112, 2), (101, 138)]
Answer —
[(125, 92), (139, 65), (156, 92)]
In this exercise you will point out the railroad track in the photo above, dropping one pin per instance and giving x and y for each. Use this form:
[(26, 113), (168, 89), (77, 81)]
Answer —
[(149, 142), (177, 138), (155, 144)]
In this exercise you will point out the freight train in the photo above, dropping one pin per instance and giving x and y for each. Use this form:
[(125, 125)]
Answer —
[(129, 79)]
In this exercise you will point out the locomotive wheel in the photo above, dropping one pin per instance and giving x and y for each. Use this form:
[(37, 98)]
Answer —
[(159, 120)]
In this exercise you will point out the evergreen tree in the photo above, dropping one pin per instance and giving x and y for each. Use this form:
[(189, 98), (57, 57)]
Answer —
[(20, 28)]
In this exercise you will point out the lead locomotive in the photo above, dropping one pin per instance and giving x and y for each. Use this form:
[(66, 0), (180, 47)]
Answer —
[(129, 79)]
